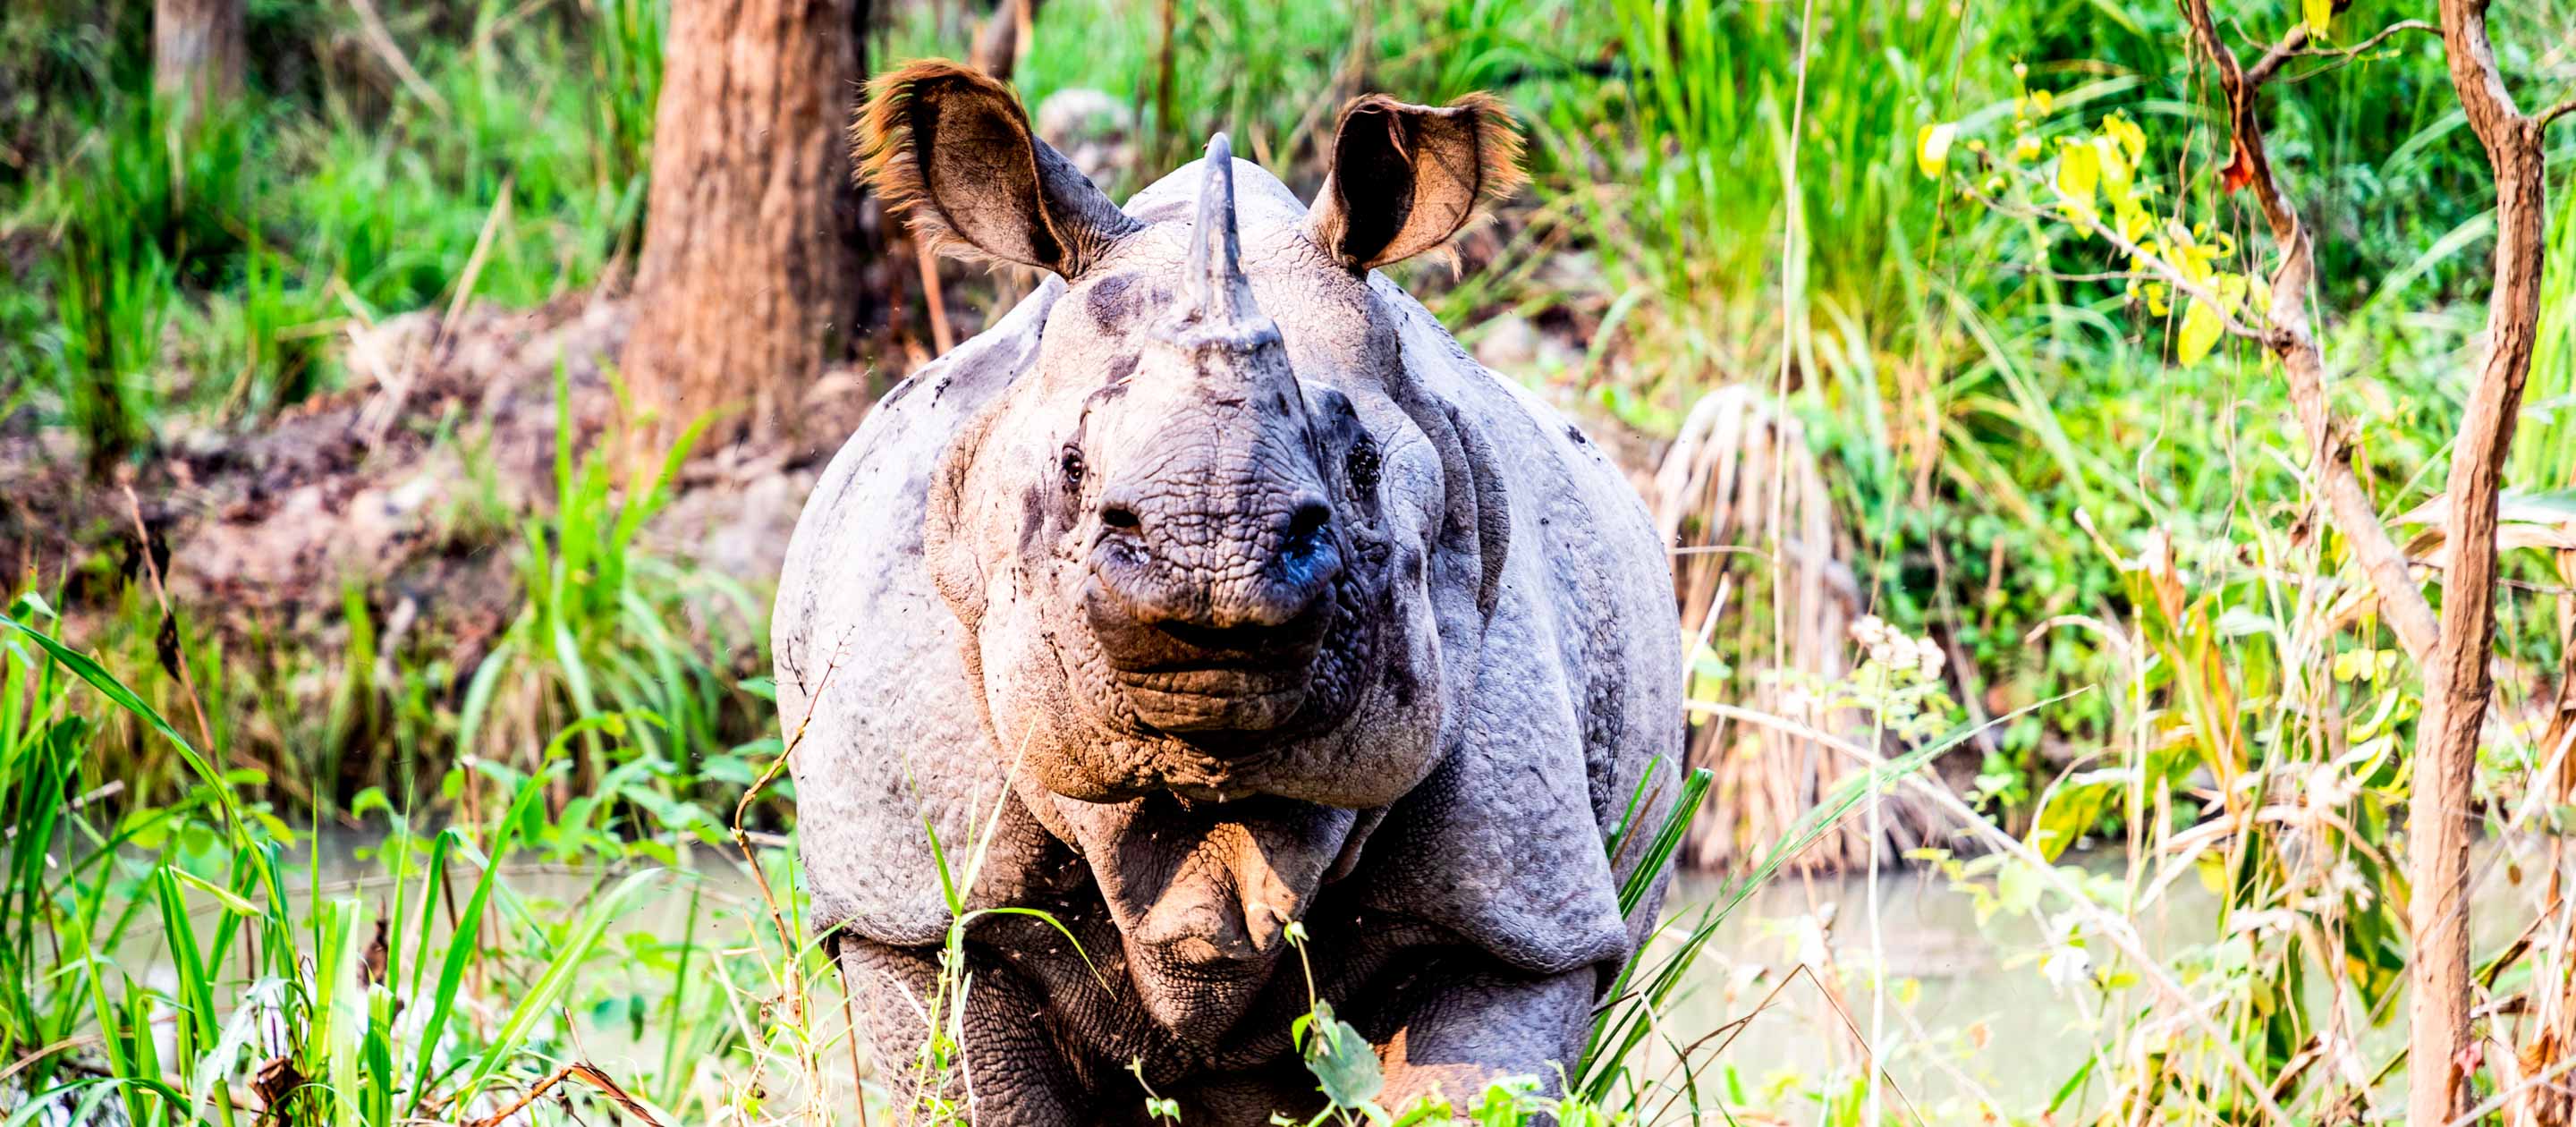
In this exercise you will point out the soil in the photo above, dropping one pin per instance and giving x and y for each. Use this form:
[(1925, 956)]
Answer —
[(409, 486)]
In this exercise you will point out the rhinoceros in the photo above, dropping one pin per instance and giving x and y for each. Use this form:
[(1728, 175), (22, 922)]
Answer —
[(1214, 589)]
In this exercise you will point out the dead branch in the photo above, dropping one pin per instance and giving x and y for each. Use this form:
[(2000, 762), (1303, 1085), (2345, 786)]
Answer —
[(2564, 107)]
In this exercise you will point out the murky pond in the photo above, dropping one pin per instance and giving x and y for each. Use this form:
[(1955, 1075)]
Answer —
[(1973, 1011), (1779, 1003)]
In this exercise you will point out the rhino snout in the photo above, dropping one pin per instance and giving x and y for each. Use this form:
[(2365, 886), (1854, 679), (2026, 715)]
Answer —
[(1219, 634)]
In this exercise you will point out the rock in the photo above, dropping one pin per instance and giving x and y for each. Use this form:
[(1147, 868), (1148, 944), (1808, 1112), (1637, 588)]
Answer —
[(1510, 344), (1092, 129)]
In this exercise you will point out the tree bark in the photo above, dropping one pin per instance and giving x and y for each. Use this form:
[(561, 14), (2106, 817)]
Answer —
[(197, 51), (749, 282), (2458, 685)]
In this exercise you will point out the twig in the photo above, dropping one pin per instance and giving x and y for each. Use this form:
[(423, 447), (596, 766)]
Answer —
[(1735, 1028), (2294, 45), (577, 1070), (2163, 271), (372, 28), (2402, 603), (2565, 106), (2499, 1099), (188, 682), (742, 807), (107, 790)]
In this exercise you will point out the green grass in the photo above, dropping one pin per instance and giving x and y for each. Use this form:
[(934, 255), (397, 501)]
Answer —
[(198, 277), (432, 989), (2008, 445)]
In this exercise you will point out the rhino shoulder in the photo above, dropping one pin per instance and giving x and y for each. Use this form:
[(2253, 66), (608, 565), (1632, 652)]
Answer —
[(1576, 708), (886, 737)]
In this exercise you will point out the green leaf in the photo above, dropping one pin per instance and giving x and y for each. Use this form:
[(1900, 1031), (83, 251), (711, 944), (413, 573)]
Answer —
[(115, 690), (1342, 1060), (2070, 811), (2200, 332), (2018, 888)]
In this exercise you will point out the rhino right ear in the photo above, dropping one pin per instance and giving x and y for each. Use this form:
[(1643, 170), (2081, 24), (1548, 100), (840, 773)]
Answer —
[(949, 147), (1405, 178)]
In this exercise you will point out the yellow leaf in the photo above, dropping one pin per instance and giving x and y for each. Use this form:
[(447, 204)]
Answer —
[(1932, 148), (2133, 140), (2116, 173), (2079, 173), (2200, 332)]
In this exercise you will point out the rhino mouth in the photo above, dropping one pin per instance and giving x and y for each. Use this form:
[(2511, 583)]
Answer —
[(1218, 693), (1187, 678)]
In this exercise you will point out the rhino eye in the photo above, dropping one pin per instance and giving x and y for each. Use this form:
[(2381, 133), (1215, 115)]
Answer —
[(1362, 465), (1070, 465)]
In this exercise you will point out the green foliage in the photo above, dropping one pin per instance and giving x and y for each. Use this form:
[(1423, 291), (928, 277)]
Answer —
[(196, 273), (2074, 480), (2544, 455), (434, 988)]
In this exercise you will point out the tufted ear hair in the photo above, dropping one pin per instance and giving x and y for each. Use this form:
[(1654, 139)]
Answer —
[(1405, 178), (949, 148)]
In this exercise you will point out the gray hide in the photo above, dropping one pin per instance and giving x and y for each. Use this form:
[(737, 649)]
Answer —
[(1222, 428)]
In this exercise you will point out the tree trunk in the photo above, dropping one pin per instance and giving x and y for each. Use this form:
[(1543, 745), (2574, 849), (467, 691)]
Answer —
[(749, 279), (2458, 686), (197, 51)]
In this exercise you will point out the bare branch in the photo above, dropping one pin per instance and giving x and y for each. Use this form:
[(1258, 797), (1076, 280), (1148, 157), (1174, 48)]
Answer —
[(2290, 46), (2345, 55), (2401, 601), (2157, 267), (2564, 107)]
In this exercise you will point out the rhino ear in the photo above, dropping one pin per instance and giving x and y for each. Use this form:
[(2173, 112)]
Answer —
[(1405, 177), (949, 147)]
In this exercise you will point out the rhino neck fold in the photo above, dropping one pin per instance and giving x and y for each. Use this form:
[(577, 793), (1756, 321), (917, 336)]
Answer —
[(1203, 892)]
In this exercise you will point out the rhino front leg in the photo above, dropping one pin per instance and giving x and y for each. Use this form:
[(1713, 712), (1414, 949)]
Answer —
[(1487, 1024), (1014, 1074)]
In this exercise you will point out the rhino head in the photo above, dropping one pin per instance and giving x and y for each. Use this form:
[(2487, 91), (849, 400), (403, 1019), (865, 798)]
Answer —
[(1220, 561)]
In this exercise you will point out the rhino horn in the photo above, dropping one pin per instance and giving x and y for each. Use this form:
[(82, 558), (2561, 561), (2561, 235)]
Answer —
[(1216, 306)]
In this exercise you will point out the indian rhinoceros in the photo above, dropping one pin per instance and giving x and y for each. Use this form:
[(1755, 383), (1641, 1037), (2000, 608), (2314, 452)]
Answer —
[(1214, 588)]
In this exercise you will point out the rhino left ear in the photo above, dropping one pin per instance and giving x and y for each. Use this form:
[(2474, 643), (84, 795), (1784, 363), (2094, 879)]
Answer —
[(949, 147), (1405, 178)]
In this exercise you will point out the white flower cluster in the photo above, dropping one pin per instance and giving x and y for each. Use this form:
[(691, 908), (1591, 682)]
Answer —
[(1895, 651), (2329, 789)]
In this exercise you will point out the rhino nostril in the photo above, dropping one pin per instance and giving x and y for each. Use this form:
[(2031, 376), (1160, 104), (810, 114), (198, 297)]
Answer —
[(1118, 516), (1309, 520)]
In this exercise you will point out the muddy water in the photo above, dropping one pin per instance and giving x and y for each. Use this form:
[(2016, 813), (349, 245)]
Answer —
[(1972, 1013)]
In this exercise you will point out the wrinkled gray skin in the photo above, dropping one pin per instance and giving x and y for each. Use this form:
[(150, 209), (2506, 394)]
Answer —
[(1225, 590)]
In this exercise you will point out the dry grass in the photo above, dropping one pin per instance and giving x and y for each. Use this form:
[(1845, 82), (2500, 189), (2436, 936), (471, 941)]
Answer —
[(1762, 553)]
